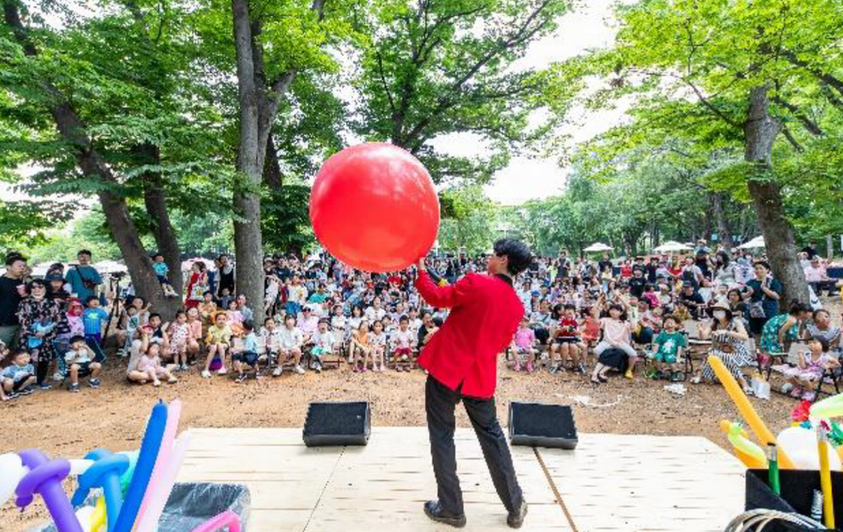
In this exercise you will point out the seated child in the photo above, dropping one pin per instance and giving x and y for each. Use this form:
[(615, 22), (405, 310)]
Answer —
[(681, 312), (150, 364), (159, 336), (307, 324), (18, 378), (352, 324), (235, 318), (161, 270), (590, 326), (567, 341), (338, 325), (616, 335), (290, 346), (378, 342), (249, 354), (402, 345), (809, 370), (323, 344), (218, 342), (523, 345), (80, 363), (360, 347), (667, 349), (207, 309), (225, 299)]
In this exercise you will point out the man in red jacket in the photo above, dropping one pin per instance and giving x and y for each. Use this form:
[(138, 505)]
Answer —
[(461, 359)]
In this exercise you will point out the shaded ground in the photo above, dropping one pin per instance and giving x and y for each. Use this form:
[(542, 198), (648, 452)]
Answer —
[(69, 425)]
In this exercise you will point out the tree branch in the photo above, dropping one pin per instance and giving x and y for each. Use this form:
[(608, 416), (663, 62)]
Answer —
[(385, 84), (807, 123), (12, 17), (827, 78), (829, 94), (711, 106), (793, 142)]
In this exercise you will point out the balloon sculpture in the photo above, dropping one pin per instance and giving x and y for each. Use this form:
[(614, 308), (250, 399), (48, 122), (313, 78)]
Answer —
[(104, 473), (373, 206), (749, 450), (147, 476), (827, 408)]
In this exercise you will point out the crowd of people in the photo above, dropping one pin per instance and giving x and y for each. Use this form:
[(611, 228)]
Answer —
[(593, 317)]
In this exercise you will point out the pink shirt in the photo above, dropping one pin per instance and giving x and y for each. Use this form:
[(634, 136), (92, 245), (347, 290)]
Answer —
[(195, 330), (615, 331), (815, 275), (524, 338)]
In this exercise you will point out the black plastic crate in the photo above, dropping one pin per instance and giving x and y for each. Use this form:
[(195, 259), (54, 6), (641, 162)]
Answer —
[(797, 487)]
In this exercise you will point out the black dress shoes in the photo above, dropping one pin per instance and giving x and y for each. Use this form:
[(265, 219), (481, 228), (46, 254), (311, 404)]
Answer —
[(434, 511), (516, 519)]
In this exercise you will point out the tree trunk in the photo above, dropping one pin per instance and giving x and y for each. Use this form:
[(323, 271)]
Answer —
[(155, 200), (271, 168), (829, 247), (124, 232), (761, 131), (248, 245), (724, 229)]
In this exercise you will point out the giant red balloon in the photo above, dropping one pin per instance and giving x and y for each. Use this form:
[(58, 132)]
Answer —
[(373, 206)]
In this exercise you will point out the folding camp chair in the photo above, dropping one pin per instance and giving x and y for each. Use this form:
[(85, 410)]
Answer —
[(776, 358), (832, 375)]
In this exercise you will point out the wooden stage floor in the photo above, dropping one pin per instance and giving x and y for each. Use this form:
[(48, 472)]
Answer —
[(610, 482)]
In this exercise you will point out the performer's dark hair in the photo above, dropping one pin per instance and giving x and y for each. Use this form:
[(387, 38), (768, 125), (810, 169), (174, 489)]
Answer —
[(517, 252)]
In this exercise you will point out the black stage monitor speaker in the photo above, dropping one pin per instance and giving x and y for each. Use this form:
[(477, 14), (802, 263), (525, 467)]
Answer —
[(337, 424), (538, 425)]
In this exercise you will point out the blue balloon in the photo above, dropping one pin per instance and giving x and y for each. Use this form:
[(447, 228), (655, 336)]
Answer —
[(143, 469), (104, 473)]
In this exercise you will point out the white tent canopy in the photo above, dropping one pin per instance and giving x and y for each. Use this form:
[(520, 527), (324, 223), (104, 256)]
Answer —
[(597, 247), (671, 246), (757, 242), (40, 270), (110, 266)]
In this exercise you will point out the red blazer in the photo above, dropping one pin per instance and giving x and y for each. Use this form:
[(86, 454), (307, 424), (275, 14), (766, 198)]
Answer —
[(485, 314)]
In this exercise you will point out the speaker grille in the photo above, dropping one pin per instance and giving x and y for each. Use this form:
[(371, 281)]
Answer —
[(337, 424)]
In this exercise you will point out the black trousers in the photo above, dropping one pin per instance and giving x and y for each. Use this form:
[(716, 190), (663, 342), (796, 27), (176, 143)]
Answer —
[(440, 403)]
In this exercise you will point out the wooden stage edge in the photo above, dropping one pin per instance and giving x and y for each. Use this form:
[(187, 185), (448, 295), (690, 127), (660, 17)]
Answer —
[(610, 482)]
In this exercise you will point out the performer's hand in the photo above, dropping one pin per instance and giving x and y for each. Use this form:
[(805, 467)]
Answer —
[(421, 265)]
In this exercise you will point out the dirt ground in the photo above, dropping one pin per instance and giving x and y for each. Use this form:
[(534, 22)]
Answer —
[(69, 425)]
